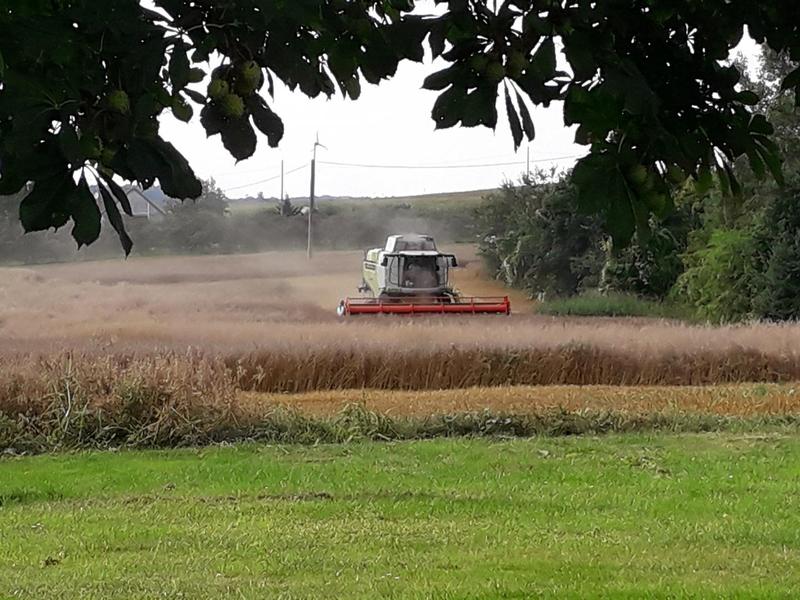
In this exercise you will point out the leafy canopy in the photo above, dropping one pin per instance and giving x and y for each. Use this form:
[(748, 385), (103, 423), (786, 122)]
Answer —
[(646, 82)]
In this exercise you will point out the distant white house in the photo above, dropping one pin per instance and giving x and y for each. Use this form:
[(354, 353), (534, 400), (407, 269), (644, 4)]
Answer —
[(146, 207)]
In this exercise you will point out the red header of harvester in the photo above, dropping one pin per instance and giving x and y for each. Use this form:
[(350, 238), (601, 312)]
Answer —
[(426, 306)]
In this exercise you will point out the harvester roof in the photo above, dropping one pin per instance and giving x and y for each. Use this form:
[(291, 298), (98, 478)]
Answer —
[(410, 242)]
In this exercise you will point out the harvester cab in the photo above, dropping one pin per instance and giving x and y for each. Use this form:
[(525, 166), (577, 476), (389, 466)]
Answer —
[(410, 276), (410, 266)]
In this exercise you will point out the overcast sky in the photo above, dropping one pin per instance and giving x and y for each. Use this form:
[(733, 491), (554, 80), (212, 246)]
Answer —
[(389, 125)]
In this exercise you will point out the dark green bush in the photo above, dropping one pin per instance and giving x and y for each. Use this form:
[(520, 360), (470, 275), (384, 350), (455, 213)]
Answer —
[(779, 298), (534, 237), (723, 278)]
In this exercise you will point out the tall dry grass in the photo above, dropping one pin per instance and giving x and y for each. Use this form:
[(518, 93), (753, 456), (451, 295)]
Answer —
[(75, 401), (456, 368), (195, 374), (168, 400)]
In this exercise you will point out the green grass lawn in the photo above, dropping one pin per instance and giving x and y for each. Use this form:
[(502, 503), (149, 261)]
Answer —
[(628, 515)]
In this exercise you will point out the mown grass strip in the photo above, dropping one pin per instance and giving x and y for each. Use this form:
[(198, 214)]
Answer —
[(635, 515)]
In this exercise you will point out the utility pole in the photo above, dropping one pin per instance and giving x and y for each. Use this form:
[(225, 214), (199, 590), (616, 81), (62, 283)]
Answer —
[(310, 249), (528, 168), (311, 198), (281, 198)]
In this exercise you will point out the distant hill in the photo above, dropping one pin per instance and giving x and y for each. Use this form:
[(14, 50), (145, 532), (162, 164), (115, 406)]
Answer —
[(468, 197)]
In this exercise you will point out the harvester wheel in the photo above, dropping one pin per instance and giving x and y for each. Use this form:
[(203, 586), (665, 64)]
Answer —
[(341, 310)]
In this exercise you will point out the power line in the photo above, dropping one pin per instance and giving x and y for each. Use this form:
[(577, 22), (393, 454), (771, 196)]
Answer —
[(247, 171), (366, 166), (405, 167), (451, 166), (267, 180), (239, 172)]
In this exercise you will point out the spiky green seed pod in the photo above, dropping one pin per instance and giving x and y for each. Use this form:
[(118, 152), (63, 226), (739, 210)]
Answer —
[(218, 89), (638, 175), (119, 101), (232, 106)]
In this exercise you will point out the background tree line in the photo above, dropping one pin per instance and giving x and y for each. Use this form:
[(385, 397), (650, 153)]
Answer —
[(727, 256), (214, 224)]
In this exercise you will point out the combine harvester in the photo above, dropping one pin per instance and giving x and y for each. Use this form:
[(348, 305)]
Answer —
[(411, 277)]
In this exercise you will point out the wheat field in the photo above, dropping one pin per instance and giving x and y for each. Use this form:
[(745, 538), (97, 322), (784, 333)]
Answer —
[(265, 324), (273, 300), (279, 302)]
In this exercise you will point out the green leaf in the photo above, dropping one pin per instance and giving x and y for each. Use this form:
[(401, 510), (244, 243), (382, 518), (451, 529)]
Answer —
[(85, 214), (536, 24), (266, 120), (43, 207), (580, 54), (212, 120), (724, 180), (602, 188), (445, 110), (179, 68), (181, 110), (203, 49), (196, 75), (621, 218), (513, 120), (239, 139), (527, 122), (792, 80), (143, 161), (773, 161), (441, 79), (177, 178), (704, 181), (748, 98), (586, 174), (543, 62), (407, 37), (437, 37), (756, 163), (736, 187), (583, 136), (147, 106), (10, 185), (352, 87), (70, 146), (759, 124), (596, 110), (162, 96), (480, 108), (195, 96), (115, 218), (628, 82), (119, 194)]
